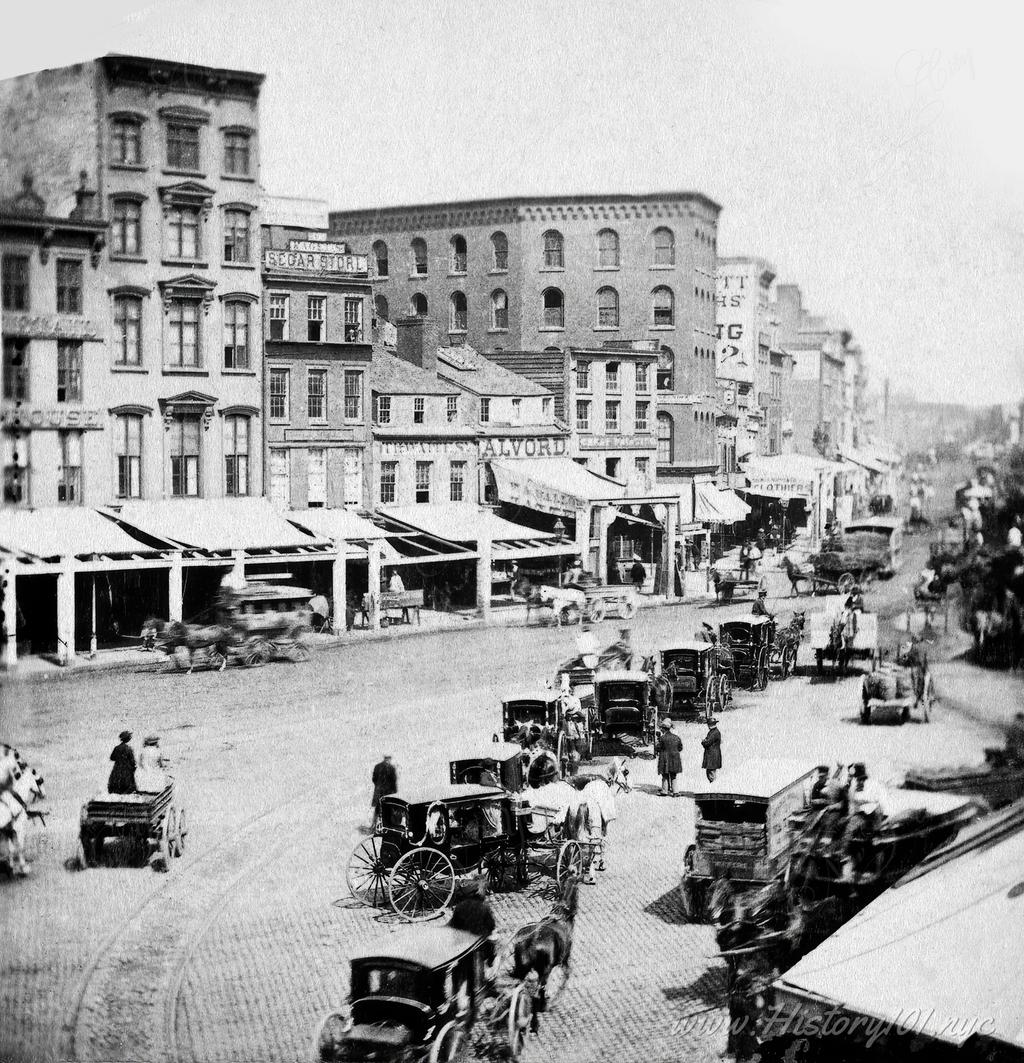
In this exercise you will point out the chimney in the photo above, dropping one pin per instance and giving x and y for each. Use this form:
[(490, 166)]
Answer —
[(418, 341), (85, 199)]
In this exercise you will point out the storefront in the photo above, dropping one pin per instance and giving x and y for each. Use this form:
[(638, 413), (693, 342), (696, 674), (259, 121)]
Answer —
[(790, 494)]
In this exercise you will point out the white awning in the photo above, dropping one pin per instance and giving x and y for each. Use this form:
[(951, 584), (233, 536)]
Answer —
[(339, 525), (719, 505), (553, 485), (64, 531)]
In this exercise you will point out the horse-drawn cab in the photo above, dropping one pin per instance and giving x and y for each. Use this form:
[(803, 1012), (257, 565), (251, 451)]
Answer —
[(687, 678), (266, 619), (532, 718), (624, 708), (748, 642), (492, 764)]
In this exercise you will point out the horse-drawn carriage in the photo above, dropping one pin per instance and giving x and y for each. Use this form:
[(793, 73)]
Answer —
[(148, 824), (785, 647), (841, 635), (817, 579), (566, 605), (536, 721), (745, 648), (584, 599), (896, 688), (491, 763), (428, 841), (687, 678), (419, 997), (625, 710)]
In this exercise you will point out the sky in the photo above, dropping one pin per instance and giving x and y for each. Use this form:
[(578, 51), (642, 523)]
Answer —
[(872, 152)]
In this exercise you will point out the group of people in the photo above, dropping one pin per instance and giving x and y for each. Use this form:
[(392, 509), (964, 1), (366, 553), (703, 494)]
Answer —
[(855, 807), (669, 747), (147, 776)]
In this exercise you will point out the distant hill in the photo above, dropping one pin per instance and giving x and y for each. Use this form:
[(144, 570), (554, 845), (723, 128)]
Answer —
[(915, 425)]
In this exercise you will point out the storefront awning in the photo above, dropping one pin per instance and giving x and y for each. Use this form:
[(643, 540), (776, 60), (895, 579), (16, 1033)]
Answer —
[(34, 535), (406, 543), (719, 505), (553, 485)]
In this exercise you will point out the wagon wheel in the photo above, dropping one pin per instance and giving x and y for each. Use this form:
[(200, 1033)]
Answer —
[(569, 614), (724, 693), (596, 610), (627, 607), (520, 1012), (255, 653), (562, 756), (299, 652), (690, 891), (447, 1044), (179, 836), (846, 582), (168, 829), (368, 869), (569, 862), (329, 1038), (762, 669), (421, 883), (502, 870), (710, 696)]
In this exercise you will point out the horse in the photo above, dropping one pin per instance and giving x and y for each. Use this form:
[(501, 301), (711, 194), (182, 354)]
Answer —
[(214, 639), (542, 948), (795, 574), (597, 798), (28, 785)]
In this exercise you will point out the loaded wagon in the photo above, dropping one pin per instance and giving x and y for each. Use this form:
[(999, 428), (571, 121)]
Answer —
[(147, 824), (895, 690), (829, 642)]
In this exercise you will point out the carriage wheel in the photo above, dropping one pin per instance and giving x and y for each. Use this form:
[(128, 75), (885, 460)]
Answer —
[(520, 1012), (446, 1044), (724, 693), (846, 582), (691, 892), (502, 870), (762, 670), (216, 660), (329, 1040), (179, 835), (588, 746), (255, 653), (168, 828), (569, 614), (596, 610), (562, 756), (710, 696), (569, 862), (627, 607), (368, 869), (421, 883), (299, 653)]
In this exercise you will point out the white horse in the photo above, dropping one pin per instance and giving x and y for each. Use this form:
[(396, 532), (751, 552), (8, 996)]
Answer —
[(28, 785), (597, 795)]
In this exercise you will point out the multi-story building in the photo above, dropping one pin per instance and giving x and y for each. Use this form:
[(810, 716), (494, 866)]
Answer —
[(172, 150), (780, 403), (318, 342)]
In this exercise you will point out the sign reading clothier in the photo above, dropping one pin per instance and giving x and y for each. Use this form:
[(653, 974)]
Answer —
[(314, 261)]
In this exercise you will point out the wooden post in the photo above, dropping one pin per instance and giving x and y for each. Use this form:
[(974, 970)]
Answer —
[(671, 511), (9, 608), (339, 591), (175, 593), (92, 634), (374, 555), (66, 612), (483, 576)]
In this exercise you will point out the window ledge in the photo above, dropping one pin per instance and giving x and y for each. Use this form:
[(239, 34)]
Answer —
[(662, 265), (184, 370), (455, 273), (551, 328), (284, 421), (457, 331), (183, 173), (498, 272), (607, 328), (237, 265), (551, 269), (607, 269), (117, 257), (418, 276), (128, 369), (131, 167), (190, 263), (238, 372), (662, 328), (498, 330), (380, 277), (238, 177)]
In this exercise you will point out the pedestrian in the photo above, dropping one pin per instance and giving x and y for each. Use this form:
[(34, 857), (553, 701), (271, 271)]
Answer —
[(396, 585), (1013, 536), (572, 577), (385, 781), (122, 775), (745, 559), (670, 764), (150, 777), (637, 574), (712, 743)]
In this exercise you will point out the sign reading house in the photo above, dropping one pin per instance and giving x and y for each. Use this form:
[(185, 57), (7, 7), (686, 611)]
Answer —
[(314, 256)]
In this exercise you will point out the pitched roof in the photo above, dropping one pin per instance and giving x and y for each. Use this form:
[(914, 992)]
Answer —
[(544, 368), (470, 370), (390, 375)]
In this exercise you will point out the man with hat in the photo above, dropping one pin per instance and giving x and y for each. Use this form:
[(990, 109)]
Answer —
[(669, 747), (712, 743), (385, 781), (122, 775), (760, 607), (866, 811), (572, 725)]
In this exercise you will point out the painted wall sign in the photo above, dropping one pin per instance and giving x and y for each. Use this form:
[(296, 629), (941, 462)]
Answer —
[(780, 487), (528, 447), (396, 447), (617, 443), (314, 261), (534, 494), (318, 247), (27, 418), (50, 326)]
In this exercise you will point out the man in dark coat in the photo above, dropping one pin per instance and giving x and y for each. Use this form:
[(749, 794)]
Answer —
[(385, 781), (122, 775), (670, 764), (745, 560), (637, 574), (712, 743)]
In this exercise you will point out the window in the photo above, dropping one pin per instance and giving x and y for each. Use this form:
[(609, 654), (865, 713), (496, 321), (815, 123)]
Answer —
[(279, 317), (453, 408), (381, 309), (185, 434), (607, 308), (352, 476), (457, 260), (582, 415), (611, 416), (236, 456), (236, 335), (664, 247), (611, 377), (419, 257), (423, 481), (499, 252), (184, 333), (128, 446), (583, 376), (69, 286), (608, 249), (182, 146), (485, 410), (278, 391), (457, 312), (545, 409), (517, 411), (15, 282), (665, 446), (316, 395), (499, 310), (183, 233), (663, 306), (236, 153), (236, 236), (643, 413), (388, 478), (643, 466), (280, 478), (69, 472), (126, 227), (15, 370), (316, 477), (554, 308), (127, 330), (316, 310), (15, 466), (666, 369), (383, 409), (418, 305), (418, 409), (457, 481), (611, 467), (353, 320), (642, 379), (380, 257), (553, 248), (353, 395), (69, 370), (126, 141)]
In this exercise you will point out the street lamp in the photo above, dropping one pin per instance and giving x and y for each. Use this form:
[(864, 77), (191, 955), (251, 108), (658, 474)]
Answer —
[(559, 528)]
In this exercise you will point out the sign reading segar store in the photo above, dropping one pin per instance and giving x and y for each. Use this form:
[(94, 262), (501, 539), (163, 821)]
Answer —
[(314, 261), (522, 447)]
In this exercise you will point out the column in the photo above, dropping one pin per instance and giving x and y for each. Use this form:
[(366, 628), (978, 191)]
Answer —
[(92, 616), (339, 591), (66, 612), (670, 549), (707, 554), (238, 567), (602, 542), (175, 594), (483, 577), (9, 609), (374, 555), (583, 534)]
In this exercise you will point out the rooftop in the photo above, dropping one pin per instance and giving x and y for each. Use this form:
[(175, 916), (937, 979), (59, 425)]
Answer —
[(390, 375), (475, 373)]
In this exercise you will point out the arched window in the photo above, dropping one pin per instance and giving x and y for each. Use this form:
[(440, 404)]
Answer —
[(499, 309), (457, 313), (419, 257), (553, 253), (608, 308), (554, 308), (380, 257), (418, 305), (499, 251), (458, 254), (665, 444), (663, 306), (381, 308), (608, 249), (664, 247), (666, 369)]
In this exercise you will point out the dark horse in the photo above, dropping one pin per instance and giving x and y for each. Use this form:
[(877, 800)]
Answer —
[(171, 636), (795, 574), (541, 948)]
